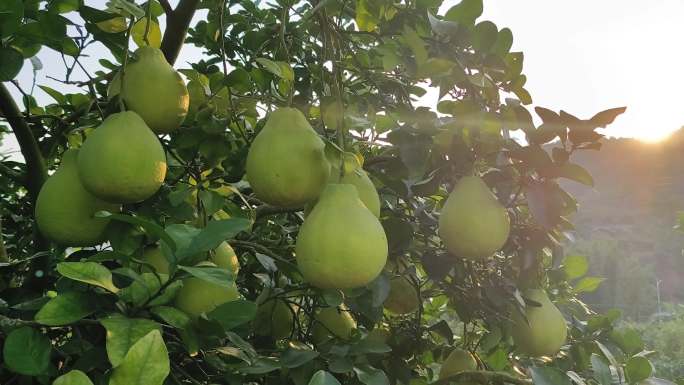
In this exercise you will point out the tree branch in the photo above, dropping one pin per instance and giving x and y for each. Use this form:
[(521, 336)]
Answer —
[(36, 170), (177, 23), (265, 210), (3, 251), (166, 7)]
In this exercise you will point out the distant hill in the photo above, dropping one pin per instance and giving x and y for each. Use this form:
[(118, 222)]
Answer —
[(627, 219)]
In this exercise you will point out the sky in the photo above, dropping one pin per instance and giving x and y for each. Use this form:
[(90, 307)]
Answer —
[(582, 56)]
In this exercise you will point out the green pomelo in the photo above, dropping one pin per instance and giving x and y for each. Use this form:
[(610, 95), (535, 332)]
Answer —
[(332, 321), (355, 175), (379, 335), (65, 209), (154, 90), (274, 317), (473, 224), (198, 296), (153, 255), (457, 361), (286, 164), (544, 332), (222, 256), (403, 297), (341, 244), (122, 161)]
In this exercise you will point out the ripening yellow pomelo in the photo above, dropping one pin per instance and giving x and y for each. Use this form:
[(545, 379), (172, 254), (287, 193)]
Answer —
[(65, 209), (544, 332), (198, 296), (457, 361), (473, 224), (402, 297), (332, 321), (154, 90), (224, 256), (122, 161), (341, 244), (286, 164), (274, 317)]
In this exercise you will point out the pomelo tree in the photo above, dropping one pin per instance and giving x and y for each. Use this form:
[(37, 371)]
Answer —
[(352, 76)]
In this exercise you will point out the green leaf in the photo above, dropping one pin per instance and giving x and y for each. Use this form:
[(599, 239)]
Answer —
[(56, 95), (149, 226), (123, 333), (549, 376), (63, 6), (146, 363), (465, 12), (601, 370), (504, 42), (485, 36), (233, 313), (212, 235), (144, 287), (11, 61), (296, 355), (416, 44), (628, 339), (322, 377), (74, 377), (66, 308), (167, 295), (575, 266), (89, 272), (215, 275), (577, 173), (239, 80), (370, 375), (11, 14), (270, 66), (588, 284), (638, 369), (125, 8), (172, 316), (27, 351), (365, 19)]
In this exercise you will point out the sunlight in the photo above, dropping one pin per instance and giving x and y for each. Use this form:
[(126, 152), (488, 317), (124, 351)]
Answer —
[(653, 135)]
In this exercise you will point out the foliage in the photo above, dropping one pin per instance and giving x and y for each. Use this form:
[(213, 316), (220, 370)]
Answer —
[(663, 336), (355, 70)]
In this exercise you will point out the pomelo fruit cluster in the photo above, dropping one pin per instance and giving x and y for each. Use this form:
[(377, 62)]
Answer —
[(121, 161)]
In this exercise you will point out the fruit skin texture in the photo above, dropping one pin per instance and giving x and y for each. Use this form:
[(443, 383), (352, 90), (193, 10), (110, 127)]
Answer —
[(341, 244), (286, 164), (154, 256), (457, 361), (274, 317), (65, 209), (367, 192), (329, 320), (155, 91), (198, 296), (546, 331), (473, 224), (122, 161), (224, 256), (402, 298)]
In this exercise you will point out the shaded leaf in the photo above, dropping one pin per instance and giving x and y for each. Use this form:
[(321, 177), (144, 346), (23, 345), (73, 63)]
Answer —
[(89, 272), (123, 333), (146, 363), (27, 351), (65, 308)]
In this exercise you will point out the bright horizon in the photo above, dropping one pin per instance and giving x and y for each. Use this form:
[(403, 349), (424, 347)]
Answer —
[(581, 56)]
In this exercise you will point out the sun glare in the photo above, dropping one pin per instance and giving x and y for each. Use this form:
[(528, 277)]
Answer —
[(652, 135)]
